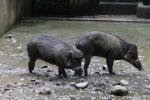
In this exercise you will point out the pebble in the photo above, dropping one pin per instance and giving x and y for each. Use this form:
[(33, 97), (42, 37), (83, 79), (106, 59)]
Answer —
[(44, 67), (32, 80), (81, 85), (124, 82), (104, 67), (14, 40), (119, 90), (97, 73), (147, 86), (9, 36), (45, 91), (19, 47)]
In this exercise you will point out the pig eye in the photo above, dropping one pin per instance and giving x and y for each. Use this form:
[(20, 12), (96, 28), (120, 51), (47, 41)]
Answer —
[(133, 57)]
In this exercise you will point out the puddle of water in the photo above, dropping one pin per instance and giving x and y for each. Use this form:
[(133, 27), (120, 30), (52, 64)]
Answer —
[(14, 60)]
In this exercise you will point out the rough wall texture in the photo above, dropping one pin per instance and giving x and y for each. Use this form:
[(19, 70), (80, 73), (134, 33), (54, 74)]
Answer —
[(10, 12)]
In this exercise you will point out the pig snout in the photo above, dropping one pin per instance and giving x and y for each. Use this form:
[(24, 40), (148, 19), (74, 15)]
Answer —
[(137, 64), (78, 71)]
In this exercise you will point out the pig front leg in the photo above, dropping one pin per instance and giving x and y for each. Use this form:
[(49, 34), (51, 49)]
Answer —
[(31, 65), (86, 65), (109, 62), (61, 71)]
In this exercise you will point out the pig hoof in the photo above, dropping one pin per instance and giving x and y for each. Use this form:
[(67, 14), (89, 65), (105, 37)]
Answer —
[(30, 71), (61, 77), (77, 75), (112, 73), (86, 75)]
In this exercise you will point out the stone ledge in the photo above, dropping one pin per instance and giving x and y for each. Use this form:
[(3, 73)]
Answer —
[(104, 18), (143, 11)]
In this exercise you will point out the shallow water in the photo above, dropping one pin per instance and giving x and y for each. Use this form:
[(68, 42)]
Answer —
[(14, 60)]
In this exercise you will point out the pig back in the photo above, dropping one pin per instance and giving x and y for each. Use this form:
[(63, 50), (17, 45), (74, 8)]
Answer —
[(49, 48), (105, 40)]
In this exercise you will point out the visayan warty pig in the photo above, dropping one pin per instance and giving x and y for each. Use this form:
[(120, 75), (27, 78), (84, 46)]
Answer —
[(108, 46), (54, 51)]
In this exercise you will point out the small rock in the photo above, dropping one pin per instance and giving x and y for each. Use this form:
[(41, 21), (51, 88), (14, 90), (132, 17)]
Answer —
[(14, 40), (81, 85), (86, 98), (36, 82), (148, 77), (49, 70), (72, 98), (32, 80), (44, 67), (72, 83), (119, 90), (104, 67), (9, 36), (6, 89), (124, 82), (19, 47), (97, 73), (45, 92), (147, 86), (22, 79)]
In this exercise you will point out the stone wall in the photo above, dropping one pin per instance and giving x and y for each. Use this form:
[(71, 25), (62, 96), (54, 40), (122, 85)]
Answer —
[(10, 12)]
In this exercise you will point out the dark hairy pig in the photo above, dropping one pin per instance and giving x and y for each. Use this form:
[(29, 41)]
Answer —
[(55, 52), (108, 46)]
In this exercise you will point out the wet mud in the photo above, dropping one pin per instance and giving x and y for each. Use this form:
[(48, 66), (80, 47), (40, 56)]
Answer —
[(17, 84)]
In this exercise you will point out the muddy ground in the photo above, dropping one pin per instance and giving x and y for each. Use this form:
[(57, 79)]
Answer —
[(17, 84)]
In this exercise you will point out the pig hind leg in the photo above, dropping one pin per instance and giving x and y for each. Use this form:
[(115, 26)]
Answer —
[(32, 59), (87, 62), (32, 54), (31, 64), (110, 65)]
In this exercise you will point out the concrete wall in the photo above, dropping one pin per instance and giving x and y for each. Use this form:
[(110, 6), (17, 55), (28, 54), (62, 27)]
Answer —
[(10, 12), (63, 7), (143, 11)]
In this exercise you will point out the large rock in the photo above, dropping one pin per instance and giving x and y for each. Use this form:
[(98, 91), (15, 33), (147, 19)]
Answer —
[(119, 90)]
